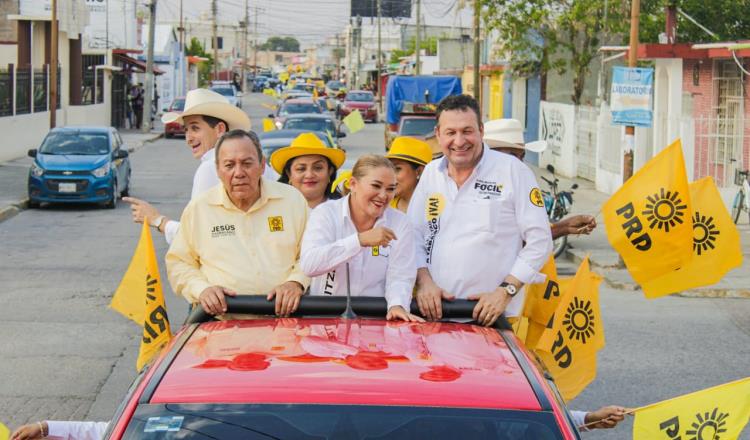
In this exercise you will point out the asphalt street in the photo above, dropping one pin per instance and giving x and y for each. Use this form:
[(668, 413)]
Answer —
[(65, 355)]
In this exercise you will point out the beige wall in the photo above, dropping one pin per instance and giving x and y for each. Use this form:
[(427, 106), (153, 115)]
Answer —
[(8, 55), (27, 131)]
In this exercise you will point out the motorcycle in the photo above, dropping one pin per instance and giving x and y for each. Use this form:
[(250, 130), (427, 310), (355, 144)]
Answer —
[(558, 204)]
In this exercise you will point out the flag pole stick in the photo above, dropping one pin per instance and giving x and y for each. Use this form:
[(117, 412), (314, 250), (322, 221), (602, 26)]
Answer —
[(586, 425)]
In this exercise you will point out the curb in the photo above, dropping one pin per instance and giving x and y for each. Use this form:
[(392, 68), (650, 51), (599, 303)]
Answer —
[(618, 278), (13, 209)]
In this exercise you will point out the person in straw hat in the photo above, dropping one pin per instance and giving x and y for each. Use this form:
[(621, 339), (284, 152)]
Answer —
[(360, 242), (207, 116), (409, 156), (308, 165), (506, 136)]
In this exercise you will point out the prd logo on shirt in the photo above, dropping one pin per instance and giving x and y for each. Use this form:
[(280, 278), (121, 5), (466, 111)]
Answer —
[(488, 189), (222, 231), (536, 197), (276, 224)]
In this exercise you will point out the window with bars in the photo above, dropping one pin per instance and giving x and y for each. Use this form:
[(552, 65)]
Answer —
[(6, 91), (92, 84)]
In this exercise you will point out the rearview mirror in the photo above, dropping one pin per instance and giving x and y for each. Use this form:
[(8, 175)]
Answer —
[(550, 168), (341, 134), (120, 154), (270, 115), (32, 152)]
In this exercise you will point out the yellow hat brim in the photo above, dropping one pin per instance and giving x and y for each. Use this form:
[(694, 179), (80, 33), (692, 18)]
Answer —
[(280, 157)]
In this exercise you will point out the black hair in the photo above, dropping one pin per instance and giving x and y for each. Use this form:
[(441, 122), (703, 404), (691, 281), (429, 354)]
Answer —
[(213, 122), (284, 178), (459, 102), (239, 134)]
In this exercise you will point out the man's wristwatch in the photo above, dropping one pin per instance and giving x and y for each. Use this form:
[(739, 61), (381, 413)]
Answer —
[(510, 288), (156, 222)]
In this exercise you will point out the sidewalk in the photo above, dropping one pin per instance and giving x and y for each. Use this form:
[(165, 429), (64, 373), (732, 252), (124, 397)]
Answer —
[(605, 261), (14, 174)]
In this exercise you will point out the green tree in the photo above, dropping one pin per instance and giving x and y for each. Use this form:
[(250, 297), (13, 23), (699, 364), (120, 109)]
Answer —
[(195, 48), (281, 44), (428, 45), (728, 19), (541, 36)]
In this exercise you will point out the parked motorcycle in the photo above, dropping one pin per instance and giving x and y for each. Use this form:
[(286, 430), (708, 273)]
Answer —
[(558, 205)]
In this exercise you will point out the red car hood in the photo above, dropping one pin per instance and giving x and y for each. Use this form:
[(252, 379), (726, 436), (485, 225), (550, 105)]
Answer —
[(335, 361)]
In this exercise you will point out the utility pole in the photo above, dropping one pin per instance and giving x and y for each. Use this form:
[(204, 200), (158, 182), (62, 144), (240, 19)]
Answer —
[(215, 39), (418, 42), (477, 10), (245, 24), (627, 158), (149, 92), (53, 69), (183, 70), (338, 58), (357, 78), (379, 63), (350, 58), (255, 43)]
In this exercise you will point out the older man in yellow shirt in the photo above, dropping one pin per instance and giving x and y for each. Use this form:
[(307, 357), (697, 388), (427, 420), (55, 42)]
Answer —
[(240, 237)]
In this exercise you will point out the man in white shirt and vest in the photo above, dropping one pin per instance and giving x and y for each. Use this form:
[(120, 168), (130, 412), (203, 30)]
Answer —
[(472, 211)]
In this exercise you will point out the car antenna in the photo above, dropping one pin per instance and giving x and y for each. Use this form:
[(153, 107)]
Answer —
[(349, 312)]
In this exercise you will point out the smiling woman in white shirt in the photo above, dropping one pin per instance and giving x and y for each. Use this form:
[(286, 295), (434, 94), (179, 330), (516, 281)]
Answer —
[(362, 238)]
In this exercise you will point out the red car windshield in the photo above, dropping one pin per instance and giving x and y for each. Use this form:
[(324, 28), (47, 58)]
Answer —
[(222, 421)]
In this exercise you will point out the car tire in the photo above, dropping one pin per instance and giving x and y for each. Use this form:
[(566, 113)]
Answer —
[(112, 203), (126, 192), (33, 204), (168, 135)]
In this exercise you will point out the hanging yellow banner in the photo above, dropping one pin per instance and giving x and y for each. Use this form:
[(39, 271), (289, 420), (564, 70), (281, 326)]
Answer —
[(648, 220), (717, 248), (720, 412)]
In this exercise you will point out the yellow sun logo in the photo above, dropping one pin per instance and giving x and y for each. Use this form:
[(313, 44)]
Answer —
[(704, 233), (664, 210), (579, 320), (708, 426), (151, 287)]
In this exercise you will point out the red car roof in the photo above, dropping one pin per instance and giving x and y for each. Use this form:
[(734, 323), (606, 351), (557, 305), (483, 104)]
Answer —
[(335, 361)]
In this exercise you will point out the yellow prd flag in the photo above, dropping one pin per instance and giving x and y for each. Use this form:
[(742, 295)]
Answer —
[(716, 244), (574, 334), (4, 432), (268, 124), (139, 297), (542, 298), (315, 94), (648, 220), (354, 121), (713, 413)]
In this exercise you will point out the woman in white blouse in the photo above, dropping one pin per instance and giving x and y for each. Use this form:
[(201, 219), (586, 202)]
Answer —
[(361, 237)]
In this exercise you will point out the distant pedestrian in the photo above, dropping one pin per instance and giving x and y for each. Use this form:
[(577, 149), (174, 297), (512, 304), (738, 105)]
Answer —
[(136, 101)]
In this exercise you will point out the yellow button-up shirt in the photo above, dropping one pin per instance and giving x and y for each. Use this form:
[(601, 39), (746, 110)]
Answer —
[(248, 252)]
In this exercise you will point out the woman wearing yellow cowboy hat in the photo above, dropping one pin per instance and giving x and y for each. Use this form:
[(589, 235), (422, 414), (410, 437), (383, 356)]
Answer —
[(308, 165), (409, 156)]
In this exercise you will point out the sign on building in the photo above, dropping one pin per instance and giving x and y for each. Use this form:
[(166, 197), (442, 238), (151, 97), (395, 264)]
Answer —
[(632, 88), (388, 8)]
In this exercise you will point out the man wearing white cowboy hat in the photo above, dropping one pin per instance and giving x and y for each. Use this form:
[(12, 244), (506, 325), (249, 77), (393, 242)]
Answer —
[(506, 136), (206, 117)]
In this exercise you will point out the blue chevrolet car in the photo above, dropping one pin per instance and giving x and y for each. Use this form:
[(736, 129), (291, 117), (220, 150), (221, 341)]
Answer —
[(79, 165)]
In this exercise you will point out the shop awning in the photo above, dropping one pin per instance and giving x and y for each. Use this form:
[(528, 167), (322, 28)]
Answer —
[(139, 66)]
